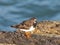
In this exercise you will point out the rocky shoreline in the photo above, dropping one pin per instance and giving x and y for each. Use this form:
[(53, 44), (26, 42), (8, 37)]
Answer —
[(48, 33)]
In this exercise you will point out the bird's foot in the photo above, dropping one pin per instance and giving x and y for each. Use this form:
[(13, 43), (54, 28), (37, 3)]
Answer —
[(28, 35)]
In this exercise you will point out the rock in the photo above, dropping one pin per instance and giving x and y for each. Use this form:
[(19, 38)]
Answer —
[(46, 33), (50, 27)]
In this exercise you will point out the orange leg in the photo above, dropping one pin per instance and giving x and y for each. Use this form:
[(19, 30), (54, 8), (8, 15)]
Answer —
[(27, 34)]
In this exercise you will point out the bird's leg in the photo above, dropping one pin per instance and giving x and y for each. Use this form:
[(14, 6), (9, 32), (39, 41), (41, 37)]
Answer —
[(28, 34)]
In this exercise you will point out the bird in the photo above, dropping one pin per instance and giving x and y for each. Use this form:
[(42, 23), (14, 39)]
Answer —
[(27, 26)]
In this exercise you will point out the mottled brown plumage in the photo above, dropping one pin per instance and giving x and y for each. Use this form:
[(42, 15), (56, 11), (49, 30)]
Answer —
[(26, 24)]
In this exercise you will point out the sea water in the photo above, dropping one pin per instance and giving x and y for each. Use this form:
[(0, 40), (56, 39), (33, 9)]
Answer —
[(15, 11)]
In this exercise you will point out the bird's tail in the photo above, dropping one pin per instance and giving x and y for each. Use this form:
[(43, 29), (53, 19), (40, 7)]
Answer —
[(15, 26)]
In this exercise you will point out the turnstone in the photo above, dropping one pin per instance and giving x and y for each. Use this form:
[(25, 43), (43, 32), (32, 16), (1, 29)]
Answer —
[(27, 26)]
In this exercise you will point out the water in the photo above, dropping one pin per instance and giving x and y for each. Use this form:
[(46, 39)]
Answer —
[(15, 11)]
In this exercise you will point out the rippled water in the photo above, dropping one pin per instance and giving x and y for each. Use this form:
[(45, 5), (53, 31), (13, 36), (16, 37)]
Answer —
[(15, 11)]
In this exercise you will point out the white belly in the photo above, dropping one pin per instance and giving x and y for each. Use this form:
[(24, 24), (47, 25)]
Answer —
[(28, 30)]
